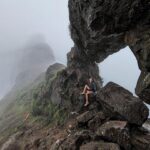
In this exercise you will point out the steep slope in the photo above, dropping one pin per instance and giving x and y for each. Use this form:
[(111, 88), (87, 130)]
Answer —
[(25, 63), (31, 61), (104, 124), (19, 103)]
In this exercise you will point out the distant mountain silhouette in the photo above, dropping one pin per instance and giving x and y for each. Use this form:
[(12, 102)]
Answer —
[(36, 57)]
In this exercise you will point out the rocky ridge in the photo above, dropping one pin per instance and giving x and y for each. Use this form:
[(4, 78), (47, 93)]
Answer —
[(105, 124), (99, 29)]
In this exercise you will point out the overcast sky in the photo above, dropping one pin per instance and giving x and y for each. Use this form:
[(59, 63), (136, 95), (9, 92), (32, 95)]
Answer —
[(20, 19)]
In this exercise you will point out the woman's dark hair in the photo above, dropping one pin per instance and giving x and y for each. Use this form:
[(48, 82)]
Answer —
[(90, 77)]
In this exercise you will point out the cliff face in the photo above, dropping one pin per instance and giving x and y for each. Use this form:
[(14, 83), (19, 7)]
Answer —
[(100, 28), (69, 83)]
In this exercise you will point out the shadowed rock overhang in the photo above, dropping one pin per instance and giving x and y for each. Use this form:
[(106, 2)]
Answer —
[(100, 28)]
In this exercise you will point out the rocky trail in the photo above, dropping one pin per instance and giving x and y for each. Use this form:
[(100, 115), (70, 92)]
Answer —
[(103, 125)]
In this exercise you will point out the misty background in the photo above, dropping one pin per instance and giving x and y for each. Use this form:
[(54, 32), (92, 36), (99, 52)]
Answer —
[(21, 20)]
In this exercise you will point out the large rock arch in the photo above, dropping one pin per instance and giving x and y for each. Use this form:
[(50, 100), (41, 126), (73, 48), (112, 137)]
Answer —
[(101, 27)]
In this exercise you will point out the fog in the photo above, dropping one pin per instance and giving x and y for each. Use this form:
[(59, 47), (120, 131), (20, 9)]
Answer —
[(21, 19), (121, 68)]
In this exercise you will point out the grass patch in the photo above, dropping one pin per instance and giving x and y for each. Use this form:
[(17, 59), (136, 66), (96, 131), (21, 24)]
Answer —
[(49, 112)]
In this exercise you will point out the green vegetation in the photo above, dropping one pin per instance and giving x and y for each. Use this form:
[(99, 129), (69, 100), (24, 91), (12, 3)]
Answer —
[(33, 99), (51, 113), (43, 107)]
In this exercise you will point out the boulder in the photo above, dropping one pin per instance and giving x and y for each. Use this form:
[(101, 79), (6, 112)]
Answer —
[(100, 146), (85, 117), (119, 101), (140, 140), (115, 131), (97, 120), (74, 141)]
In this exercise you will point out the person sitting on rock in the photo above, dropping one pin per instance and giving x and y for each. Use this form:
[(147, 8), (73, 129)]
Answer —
[(89, 88)]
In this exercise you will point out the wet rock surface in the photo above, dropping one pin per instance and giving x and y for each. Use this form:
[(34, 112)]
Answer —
[(115, 131), (122, 103)]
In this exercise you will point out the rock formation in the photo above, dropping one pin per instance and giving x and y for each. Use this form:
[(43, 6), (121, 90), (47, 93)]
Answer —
[(104, 125), (122, 102), (100, 28), (66, 88), (114, 120)]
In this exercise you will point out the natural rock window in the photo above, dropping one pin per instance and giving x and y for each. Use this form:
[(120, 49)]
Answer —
[(121, 68)]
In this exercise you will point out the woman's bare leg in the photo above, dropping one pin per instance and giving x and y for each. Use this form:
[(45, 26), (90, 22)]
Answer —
[(87, 98), (85, 89)]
